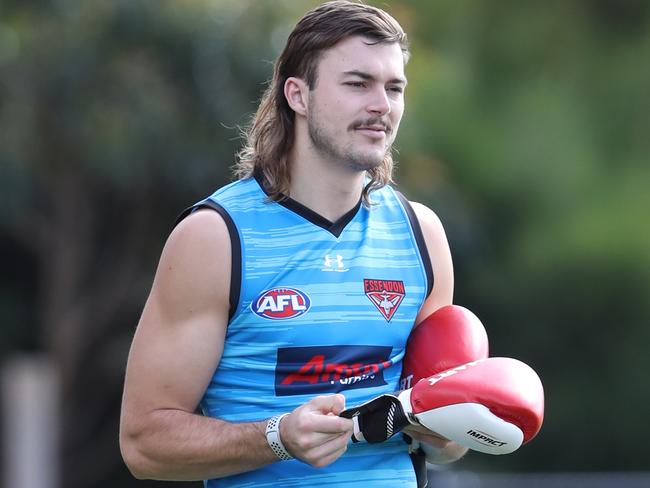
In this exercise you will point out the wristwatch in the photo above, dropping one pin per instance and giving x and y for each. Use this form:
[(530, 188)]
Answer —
[(273, 438)]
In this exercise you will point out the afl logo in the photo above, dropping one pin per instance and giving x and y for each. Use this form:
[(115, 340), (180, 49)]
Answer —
[(281, 304)]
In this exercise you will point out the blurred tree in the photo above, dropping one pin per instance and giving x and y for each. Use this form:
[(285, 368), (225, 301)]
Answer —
[(530, 119), (114, 116)]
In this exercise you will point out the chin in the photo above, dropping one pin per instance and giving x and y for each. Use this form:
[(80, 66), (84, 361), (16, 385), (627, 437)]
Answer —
[(363, 160), (365, 164)]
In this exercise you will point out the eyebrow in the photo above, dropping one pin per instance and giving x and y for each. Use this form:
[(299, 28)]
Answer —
[(367, 76)]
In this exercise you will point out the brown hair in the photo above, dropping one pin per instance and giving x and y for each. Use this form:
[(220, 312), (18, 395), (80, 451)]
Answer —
[(269, 137)]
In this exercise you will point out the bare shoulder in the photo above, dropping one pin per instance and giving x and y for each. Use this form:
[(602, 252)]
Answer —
[(195, 264), (440, 257), (429, 221), (203, 230)]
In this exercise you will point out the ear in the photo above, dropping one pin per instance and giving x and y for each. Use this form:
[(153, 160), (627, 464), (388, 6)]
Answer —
[(296, 92)]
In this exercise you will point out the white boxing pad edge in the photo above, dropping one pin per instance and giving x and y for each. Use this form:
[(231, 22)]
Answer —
[(357, 434), (405, 400), (473, 425)]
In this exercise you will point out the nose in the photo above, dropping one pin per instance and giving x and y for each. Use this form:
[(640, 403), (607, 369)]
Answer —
[(379, 102)]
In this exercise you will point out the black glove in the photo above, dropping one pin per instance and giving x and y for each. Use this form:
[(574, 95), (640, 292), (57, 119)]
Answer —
[(377, 419)]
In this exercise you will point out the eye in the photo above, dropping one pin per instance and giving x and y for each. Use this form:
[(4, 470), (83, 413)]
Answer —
[(356, 84), (395, 89)]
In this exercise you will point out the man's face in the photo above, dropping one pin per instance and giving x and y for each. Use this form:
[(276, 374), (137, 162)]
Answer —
[(357, 103)]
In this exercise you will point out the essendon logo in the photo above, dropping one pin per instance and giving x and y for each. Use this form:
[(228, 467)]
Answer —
[(386, 295), (330, 369), (281, 303)]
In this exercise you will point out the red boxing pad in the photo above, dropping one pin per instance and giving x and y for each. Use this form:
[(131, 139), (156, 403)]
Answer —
[(507, 391), (447, 338)]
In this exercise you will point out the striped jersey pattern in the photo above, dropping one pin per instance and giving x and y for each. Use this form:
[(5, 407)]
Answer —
[(317, 308)]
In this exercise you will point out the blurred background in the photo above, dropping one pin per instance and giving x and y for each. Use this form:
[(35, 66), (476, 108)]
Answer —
[(526, 130)]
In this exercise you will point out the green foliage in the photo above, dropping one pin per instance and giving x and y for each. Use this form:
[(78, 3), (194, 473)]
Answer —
[(526, 132)]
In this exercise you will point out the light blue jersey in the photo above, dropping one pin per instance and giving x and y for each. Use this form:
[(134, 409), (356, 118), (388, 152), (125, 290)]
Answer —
[(317, 308)]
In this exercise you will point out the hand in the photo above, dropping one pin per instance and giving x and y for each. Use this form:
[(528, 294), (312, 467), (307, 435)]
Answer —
[(436, 448), (426, 436), (314, 433)]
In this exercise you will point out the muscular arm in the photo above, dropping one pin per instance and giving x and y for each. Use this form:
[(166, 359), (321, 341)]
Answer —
[(437, 449), (176, 348)]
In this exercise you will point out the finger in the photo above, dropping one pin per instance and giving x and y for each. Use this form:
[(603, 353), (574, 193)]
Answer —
[(432, 440), (422, 430), (333, 456), (425, 435), (339, 404), (328, 403), (331, 424), (329, 450)]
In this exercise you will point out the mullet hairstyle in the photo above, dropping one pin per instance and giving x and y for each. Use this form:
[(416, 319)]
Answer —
[(270, 135)]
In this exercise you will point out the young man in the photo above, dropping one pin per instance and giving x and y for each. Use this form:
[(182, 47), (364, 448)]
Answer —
[(291, 292)]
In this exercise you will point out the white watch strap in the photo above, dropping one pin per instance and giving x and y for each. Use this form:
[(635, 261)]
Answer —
[(273, 438)]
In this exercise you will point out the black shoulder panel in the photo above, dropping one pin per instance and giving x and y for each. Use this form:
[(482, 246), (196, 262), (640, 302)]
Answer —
[(235, 244), (419, 238)]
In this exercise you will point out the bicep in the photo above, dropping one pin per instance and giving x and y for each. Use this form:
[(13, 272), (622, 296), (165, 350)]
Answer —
[(442, 292), (179, 339)]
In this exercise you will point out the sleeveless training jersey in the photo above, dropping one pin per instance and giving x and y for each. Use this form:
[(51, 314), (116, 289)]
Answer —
[(317, 308)]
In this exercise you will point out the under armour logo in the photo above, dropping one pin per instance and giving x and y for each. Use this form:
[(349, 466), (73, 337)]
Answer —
[(334, 264)]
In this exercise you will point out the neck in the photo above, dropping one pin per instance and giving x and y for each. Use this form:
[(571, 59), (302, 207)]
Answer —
[(325, 190), (323, 186)]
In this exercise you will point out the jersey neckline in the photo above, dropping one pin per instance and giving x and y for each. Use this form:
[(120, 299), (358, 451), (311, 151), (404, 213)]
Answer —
[(335, 228)]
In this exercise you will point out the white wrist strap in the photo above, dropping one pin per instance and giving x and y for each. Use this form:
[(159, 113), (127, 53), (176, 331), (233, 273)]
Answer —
[(273, 438)]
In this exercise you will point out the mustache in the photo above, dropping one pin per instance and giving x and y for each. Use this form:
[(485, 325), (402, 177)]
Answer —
[(372, 122)]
